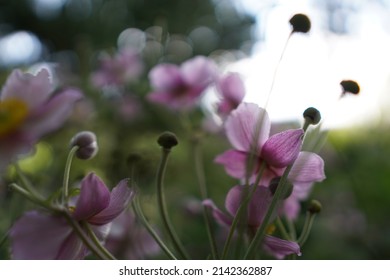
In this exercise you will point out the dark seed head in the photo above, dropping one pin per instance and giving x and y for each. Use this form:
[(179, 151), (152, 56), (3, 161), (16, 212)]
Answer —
[(167, 140), (300, 23), (350, 86)]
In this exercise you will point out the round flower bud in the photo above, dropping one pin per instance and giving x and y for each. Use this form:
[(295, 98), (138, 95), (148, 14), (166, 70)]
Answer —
[(350, 86), (86, 141), (314, 207), (300, 23), (273, 185), (312, 115), (167, 140)]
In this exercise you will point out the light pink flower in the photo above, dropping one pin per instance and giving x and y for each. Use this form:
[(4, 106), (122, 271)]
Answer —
[(278, 151), (180, 88), (256, 211), (124, 67), (40, 235), (29, 110), (231, 90)]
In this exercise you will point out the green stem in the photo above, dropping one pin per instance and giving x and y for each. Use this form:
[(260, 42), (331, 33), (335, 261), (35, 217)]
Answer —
[(26, 183), (306, 228), (199, 170), (138, 211), (282, 229), (30, 196), (65, 186), (240, 211), (96, 241), (291, 229), (162, 206), (83, 236), (275, 199)]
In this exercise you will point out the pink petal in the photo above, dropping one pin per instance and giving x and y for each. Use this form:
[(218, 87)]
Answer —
[(231, 88), (199, 71), (38, 236), (308, 167), (234, 163), (280, 248), (52, 115), (165, 77), (282, 149), (94, 198), (34, 90), (121, 196), (218, 215), (241, 125), (291, 208), (257, 207)]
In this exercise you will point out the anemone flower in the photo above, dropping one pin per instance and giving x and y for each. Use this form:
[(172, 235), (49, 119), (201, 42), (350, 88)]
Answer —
[(231, 90), (277, 151), (179, 88), (29, 110), (42, 235), (124, 67), (256, 211)]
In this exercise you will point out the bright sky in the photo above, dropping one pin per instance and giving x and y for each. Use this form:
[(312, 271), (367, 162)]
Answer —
[(315, 63)]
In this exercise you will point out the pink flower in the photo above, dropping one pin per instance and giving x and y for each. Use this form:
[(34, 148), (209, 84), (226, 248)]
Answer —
[(278, 151), (125, 67), (232, 92), (181, 87), (41, 235), (257, 208), (28, 111)]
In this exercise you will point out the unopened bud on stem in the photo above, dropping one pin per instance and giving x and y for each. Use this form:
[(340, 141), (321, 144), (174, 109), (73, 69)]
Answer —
[(86, 141), (314, 207), (300, 23)]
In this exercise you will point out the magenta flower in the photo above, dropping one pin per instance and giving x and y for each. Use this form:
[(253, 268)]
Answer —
[(231, 90), (28, 111), (41, 235), (181, 87), (257, 208), (278, 151), (125, 67)]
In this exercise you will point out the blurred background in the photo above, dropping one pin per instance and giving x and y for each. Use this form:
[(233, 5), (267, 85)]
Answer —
[(348, 40)]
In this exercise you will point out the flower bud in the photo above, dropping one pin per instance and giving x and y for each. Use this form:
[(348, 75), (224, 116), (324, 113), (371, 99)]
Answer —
[(300, 23), (312, 115), (314, 207), (350, 86), (273, 185), (86, 141), (167, 140)]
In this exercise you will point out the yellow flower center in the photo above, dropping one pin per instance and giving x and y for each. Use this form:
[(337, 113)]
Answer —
[(271, 229), (12, 114)]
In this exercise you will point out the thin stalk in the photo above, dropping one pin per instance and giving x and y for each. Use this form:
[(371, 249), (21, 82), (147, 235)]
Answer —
[(275, 199), (83, 236), (243, 207), (282, 229), (200, 175), (26, 183), (162, 206), (291, 229), (96, 241), (306, 228), (30, 196), (65, 186), (138, 211)]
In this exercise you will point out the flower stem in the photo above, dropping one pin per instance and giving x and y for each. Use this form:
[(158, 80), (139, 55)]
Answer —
[(26, 183), (162, 206), (65, 186), (138, 211), (261, 230), (282, 229), (240, 211), (96, 241), (306, 228), (83, 236), (203, 192)]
